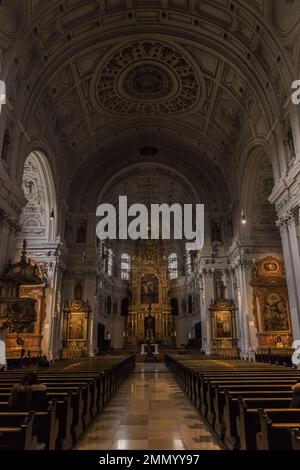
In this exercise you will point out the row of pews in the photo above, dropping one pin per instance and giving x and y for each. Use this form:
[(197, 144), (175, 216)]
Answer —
[(76, 393), (246, 404)]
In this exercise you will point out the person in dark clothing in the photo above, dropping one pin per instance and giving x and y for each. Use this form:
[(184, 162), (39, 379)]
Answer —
[(44, 362), (28, 395), (295, 402)]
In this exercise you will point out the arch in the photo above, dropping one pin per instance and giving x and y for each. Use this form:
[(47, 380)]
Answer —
[(39, 217), (257, 184)]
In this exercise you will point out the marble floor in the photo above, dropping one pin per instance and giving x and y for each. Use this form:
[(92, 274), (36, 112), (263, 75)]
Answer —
[(148, 412)]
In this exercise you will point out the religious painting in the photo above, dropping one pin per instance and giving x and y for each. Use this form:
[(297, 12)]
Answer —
[(149, 289), (275, 313), (223, 325), (76, 329), (270, 304)]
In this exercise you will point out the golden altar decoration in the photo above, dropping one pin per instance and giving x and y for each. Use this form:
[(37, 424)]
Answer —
[(149, 314), (223, 323), (271, 305), (75, 329), (23, 305)]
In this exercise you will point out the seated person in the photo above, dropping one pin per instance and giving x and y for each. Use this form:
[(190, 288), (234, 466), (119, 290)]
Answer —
[(28, 395), (295, 403), (44, 362)]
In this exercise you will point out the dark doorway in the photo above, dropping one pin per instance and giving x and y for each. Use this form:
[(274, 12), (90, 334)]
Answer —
[(174, 306), (198, 335), (124, 307), (100, 336)]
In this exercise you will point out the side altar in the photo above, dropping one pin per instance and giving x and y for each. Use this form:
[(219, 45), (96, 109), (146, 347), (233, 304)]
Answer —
[(23, 306), (149, 314)]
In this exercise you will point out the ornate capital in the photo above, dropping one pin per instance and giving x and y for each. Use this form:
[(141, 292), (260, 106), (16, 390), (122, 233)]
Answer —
[(289, 218)]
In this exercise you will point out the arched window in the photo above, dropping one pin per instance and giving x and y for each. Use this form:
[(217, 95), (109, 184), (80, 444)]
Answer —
[(39, 217), (109, 262), (173, 266), (125, 266)]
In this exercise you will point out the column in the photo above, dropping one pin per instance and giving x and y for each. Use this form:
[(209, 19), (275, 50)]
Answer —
[(248, 332), (289, 227), (117, 327), (206, 300), (4, 236), (50, 341)]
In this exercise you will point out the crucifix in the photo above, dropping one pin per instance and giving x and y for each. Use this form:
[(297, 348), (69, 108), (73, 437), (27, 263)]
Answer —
[(149, 322)]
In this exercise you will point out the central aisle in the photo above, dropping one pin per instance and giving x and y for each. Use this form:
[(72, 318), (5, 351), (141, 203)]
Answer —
[(149, 411)]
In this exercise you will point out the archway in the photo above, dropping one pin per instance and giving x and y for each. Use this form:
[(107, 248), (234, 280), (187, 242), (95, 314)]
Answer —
[(38, 226), (38, 218)]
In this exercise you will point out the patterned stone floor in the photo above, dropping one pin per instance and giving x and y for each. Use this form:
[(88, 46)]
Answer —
[(148, 412)]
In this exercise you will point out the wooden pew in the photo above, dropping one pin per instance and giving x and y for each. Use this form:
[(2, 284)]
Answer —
[(295, 436), (217, 403), (18, 437), (274, 435), (215, 388), (248, 422), (45, 424), (80, 392), (231, 412)]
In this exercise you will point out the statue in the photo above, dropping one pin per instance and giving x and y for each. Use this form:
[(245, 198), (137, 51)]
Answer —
[(149, 325), (220, 289), (216, 235)]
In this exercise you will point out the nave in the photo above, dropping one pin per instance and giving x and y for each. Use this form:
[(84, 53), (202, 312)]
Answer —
[(189, 402), (149, 412)]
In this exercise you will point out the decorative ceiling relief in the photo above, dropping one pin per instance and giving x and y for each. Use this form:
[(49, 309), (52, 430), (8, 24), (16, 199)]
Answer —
[(33, 218), (264, 220), (148, 77)]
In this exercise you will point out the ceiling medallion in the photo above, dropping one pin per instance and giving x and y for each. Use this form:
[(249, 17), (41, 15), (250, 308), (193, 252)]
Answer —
[(147, 77)]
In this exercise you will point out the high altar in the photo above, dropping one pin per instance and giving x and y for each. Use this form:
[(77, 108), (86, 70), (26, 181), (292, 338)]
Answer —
[(149, 315)]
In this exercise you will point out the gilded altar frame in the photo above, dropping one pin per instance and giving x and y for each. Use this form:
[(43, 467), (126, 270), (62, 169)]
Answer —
[(75, 329), (149, 261), (271, 305), (23, 305), (223, 324)]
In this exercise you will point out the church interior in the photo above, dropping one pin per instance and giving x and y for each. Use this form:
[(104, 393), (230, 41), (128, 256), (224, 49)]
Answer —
[(165, 102)]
